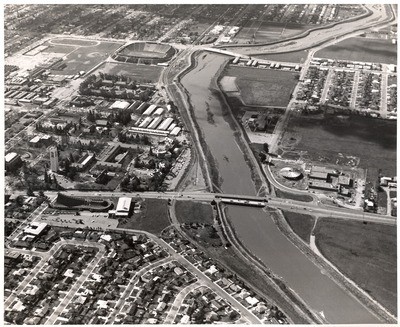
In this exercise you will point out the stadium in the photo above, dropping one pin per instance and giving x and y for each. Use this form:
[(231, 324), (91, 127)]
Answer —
[(291, 173), (150, 53)]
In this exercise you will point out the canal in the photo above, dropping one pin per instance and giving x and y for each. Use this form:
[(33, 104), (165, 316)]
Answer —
[(254, 228)]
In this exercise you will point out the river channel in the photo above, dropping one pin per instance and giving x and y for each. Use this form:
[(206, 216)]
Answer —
[(255, 229)]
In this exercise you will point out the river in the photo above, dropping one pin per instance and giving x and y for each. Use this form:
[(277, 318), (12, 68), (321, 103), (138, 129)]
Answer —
[(254, 228)]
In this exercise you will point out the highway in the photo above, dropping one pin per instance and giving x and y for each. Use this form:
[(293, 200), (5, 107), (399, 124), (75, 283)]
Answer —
[(314, 208)]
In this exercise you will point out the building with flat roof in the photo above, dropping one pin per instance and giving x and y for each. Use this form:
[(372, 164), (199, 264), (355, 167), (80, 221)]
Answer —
[(35, 228), (54, 159), (12, 161), (123, 209), (120, 105), (322, 185)]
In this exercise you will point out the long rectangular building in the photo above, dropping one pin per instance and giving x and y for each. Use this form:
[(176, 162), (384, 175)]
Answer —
[(164, 125), (150, 110), (155, 123), (145, 122)]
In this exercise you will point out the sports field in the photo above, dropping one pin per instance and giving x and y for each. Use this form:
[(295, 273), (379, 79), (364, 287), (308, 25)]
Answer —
[(263, 87), (361, 49), (81, 55), (327, 139), (73, 41), (140, 73), (364, 252)]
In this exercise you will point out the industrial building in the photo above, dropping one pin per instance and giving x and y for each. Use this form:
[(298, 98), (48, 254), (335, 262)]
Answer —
[(149, 110), (120, 105), (165, 124), (155, 123)]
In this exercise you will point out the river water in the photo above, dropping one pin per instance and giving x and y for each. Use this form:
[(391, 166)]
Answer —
[(255, 229)]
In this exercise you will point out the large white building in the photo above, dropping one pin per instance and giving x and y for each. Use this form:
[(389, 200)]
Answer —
[(54, 159), (123, 208)]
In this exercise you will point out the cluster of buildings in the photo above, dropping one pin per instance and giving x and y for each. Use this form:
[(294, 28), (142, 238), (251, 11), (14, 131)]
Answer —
[(202, 306), (369, 91), (153, 294), (20, 90), (346, 64), (224, 279), (329, 179), (311, 88), (154, 121), (114, 279), (264, 64), (36, 302)]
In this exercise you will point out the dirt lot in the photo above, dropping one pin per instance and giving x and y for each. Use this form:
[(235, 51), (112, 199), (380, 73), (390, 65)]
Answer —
[(329, 140), (361, 49), (364, 252), (141, 73), (301, 224), (264, 87)]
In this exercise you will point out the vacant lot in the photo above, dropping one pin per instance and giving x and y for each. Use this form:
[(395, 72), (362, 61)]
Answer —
[(364, 252), (373, 141), (301, 224), (294, 56), (140, 73), (361, 49), (194, 212), (263, 87), (293, 196), (267, 32), (85, 58), (153, 217)]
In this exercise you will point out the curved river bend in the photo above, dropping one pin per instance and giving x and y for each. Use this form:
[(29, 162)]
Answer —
[(255, 229)]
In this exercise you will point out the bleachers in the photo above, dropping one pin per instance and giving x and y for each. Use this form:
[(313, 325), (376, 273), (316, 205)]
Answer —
[(155, 52)]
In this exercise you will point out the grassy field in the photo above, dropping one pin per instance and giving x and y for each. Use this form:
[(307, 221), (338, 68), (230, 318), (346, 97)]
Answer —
[(292, 196), (267, 32), (371, 140), (295, 56), (301, 224), (140, 73), (153, 217), (263, 87), (73, 41), (364, 252), (361, 49), (194, 212), (59, 48), (85, 58)]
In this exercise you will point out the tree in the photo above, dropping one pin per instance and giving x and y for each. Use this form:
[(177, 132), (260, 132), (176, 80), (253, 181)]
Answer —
[(266, 147), (29, 192), (262, 156)]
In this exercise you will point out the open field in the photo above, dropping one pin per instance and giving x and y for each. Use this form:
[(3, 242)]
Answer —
[(59, 48), (364, 252), (293, 196), (263, 87), (328, 139), (361, 49), (84, 58), (301, 224), (194, 212), (153, 217), (140, 73), (73, 41), (294, 56)]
